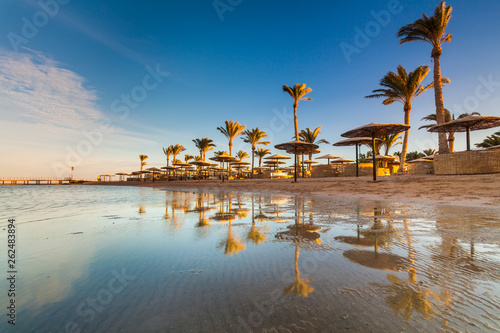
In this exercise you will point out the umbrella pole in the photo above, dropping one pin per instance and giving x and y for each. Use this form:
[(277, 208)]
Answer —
[(468, 138), (295, 173), (222, 173), (373, 156), (357, 164), (302, 165)]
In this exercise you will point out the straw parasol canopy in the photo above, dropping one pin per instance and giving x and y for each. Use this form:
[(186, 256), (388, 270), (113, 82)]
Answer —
[(224, 158), (329, 157), (296, 147), (341, 161), (372, 130), (201, 163), (467, 124), (385, 158), (421, 160), (277, 157), (310, 161)]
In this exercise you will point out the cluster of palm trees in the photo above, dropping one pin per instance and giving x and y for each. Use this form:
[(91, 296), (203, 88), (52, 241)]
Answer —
[(399, 86), (404, 87)]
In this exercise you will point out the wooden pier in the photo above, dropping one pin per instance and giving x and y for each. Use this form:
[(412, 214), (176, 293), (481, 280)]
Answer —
[(34, 181)]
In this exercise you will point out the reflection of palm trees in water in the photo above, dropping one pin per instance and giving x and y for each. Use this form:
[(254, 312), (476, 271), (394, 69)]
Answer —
[(254, 234), (232, 245), (407, 296), (299, 286), (301, 235)]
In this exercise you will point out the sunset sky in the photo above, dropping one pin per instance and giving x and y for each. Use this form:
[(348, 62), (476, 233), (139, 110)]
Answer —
[(93, 84)]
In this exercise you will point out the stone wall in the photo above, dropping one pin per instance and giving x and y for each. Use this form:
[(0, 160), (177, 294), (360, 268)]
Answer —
[(468, 162)]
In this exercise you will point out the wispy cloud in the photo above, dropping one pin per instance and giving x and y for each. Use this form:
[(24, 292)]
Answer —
[(42, 91)]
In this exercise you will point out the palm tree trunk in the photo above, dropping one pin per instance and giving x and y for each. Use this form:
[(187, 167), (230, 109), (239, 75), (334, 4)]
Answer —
[(402, 158), (438, 96), (296, 123), (230, 147), (253, 156), (451, 142)]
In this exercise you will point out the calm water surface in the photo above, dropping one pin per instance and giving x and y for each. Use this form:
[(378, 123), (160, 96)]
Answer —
[(123, 259)]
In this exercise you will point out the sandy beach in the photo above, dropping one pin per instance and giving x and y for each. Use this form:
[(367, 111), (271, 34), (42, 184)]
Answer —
[(460, 190)]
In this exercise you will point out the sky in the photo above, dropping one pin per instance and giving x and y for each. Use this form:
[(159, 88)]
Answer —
[(94, 84)]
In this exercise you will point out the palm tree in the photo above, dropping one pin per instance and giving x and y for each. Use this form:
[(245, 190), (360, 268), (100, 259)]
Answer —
[(188, 157), (298, 93), (490, 141), (143, 159), (404, 88), (389, 141), (241, 155), (447, 117), (260, 153), (176, 150), (204, 145), (429, 152), (433, 31), (308, 136), (254, 138), (231, 131), (168, 152), (413, 155)]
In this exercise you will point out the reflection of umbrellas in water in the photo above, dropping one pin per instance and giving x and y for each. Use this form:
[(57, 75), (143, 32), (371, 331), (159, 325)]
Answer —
[(372, 130), (377, 260), (467, 124), (232, 245)]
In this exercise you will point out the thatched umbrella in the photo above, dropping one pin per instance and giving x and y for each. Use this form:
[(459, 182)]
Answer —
[(329, 157), (277, 158), (201, 164), (467, 124), (356, 141), (297, 147), (372, 130), (341, 161), (224, 158)]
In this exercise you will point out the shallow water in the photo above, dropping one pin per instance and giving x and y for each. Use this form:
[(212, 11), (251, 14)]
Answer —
[(123, 259)]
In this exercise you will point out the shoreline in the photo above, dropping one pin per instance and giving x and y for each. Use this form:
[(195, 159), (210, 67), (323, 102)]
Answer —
[(481, 191)]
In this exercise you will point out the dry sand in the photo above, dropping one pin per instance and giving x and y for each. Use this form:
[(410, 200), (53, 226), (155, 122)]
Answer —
[(460, 190)]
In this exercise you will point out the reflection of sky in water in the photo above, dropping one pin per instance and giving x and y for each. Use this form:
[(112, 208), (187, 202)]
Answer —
[(225, 262)]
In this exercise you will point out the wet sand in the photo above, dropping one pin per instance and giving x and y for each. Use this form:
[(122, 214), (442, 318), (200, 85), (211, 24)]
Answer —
[(461, 190)]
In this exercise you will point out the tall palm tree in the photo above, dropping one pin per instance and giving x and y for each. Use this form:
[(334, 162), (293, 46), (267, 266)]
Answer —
[(176, 150), (204, 145), (310, 136), (167, 152), (490, 141), (447, 117), (254, 138), (260, 153), (143, 160), (298, 93), (404, 88), (231, 131), (433, 31)]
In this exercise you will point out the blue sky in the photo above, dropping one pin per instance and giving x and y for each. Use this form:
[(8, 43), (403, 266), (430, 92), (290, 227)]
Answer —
[(68, 67)]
